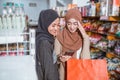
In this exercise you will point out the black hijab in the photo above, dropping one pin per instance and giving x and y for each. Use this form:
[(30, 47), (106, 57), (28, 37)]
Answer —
[(46, 17)]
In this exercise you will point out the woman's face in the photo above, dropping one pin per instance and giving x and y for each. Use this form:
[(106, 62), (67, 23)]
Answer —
[(54, 27), (72, 25)]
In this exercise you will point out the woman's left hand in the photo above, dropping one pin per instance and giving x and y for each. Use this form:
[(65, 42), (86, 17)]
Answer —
[(82, 30)]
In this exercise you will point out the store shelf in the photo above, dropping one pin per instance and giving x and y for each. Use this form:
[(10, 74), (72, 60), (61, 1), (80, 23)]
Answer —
[(105, 34), (91, 17), (98, 48), (3, 51), (110, 18), (96, 32), (103, 18), (11, 39)]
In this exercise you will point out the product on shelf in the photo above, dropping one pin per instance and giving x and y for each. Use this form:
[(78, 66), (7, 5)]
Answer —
[(1, 25), (94, 38), (117, 48), (110, 55), (71, 6), (118, 31), (12, 49), (62, 23), (21, 49), (103, 28), (111, 45), (115, 9), (98, 55), (61, 11), (98, 9), (111, 37), (3, 50), (113, 28), (102, 44)]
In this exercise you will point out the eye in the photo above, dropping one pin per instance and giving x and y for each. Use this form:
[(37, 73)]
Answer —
[(68, 23), (75, 23), (53, 25)]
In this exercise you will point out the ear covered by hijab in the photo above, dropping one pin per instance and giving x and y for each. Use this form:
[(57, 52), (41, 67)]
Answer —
[(70, 41), (46, 17)]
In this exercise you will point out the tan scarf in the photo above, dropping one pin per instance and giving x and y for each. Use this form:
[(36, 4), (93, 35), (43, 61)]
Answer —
[(70, 41)]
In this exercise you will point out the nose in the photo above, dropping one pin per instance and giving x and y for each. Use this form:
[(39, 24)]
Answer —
[(72, 26)]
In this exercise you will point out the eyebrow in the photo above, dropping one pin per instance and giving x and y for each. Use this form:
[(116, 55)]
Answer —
[(71, 22)]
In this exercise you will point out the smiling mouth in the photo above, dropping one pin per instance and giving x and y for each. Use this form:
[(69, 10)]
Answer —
[(72, 30)]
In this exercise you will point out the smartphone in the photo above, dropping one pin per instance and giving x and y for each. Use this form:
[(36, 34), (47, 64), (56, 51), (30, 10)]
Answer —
[(70, 53)]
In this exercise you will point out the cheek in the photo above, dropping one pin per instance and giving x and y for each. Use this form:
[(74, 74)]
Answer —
[(73, 28), (50, 30)]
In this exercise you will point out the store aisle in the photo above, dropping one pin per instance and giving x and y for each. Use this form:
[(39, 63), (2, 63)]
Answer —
[(17, 68)]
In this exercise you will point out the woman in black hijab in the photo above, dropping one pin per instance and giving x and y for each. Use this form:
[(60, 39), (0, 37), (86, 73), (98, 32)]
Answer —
[(48, 25)]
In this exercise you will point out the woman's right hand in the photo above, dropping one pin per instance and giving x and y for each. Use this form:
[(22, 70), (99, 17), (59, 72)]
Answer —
[(64, 58), (82, 30)]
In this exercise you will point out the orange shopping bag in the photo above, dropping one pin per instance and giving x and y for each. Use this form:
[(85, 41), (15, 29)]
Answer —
[(87, 69)]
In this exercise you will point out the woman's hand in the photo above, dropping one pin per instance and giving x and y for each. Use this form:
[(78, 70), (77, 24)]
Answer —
[(64, 58), (82, 30)]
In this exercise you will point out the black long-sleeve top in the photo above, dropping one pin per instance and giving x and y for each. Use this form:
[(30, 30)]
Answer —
[(46, 69)]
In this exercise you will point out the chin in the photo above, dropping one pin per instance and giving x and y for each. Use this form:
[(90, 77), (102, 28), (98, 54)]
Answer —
[(72, 31)]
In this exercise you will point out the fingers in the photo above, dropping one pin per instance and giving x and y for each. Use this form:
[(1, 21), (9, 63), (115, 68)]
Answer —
[(81, 28), (65, 58)]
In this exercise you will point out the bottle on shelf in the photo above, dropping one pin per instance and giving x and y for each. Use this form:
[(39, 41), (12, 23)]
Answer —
[(12, 49), (1, 25), (17, 12), (4, 19), (21, 49), (23, 17), (3, 51), (9, 19), (115, 9), (14, 19), (93, 8)]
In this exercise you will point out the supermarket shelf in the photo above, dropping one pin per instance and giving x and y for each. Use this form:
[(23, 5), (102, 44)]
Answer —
[(11, 39), (23, 50), (106, 34), (91, 17), (16, 51), (96, 32), (114, 55), (103, 18), (98, 48), (3, 51), (117, 72), (109, 18), (106, 51), (24, 42)]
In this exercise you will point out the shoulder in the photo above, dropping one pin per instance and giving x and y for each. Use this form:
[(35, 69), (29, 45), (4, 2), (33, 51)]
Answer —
[(45, 43)]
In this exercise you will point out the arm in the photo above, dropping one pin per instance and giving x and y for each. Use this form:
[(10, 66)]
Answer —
[(58, 51), (85, 54), (57, 47), (49, 69)]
